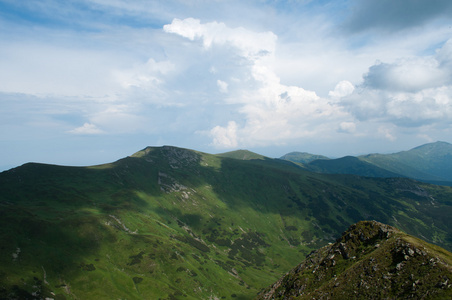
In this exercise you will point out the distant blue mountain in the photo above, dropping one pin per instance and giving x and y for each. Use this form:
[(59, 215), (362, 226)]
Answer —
[(430, 162)]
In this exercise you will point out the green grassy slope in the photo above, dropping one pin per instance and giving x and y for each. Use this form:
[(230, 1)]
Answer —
[(242, 154), (428, 162), (172, 223), (350, 165), (302, 157), (369, 261)]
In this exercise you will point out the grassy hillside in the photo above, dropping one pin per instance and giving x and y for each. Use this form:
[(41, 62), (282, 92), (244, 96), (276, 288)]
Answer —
[(349, 165), (369, 261), (173, 223), (302, 157), (428, 162), (242, 154)]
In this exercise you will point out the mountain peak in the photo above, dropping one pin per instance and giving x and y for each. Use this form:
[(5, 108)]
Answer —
[(437, 143), (436, 146), (372, 260), (242, 155), (175, 156), (429, 162)]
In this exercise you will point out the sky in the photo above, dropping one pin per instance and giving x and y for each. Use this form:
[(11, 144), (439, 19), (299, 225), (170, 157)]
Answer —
[(86, 82)]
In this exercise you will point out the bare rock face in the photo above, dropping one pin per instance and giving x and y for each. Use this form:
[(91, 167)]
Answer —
[(175, 157), (179, 157), (370, 260)]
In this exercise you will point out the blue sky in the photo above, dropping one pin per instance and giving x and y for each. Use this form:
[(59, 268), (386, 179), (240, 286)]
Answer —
[(88, 82)]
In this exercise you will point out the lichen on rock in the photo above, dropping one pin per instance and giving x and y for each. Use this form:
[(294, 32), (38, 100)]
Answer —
[(372, 260)]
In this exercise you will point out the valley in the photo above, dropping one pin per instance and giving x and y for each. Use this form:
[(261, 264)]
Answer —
[(174, 223)]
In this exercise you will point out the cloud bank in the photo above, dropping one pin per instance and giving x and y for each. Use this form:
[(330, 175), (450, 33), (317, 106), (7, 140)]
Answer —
[(414, 91), (409, 92), (270, 112), (329, 77)]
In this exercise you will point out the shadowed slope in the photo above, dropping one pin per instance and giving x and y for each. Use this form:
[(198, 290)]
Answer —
[(427, 162), (175, 223), (302, 157), (430, 163), (350, 165)]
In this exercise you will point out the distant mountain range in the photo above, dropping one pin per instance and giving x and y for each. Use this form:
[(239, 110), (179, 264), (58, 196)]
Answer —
[(303, 157), (430, 162), (175, 223)]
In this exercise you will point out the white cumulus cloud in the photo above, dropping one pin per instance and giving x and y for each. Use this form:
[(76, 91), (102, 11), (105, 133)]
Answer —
[(146, 75), (250, 43), (271, 112), (347, 127), (342, 89), (225, 137), (86, 129), (407, 75), (410, 92), (222, 86)]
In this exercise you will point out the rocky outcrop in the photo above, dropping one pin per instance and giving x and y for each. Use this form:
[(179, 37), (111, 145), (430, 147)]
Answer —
[(179, 157), (370, 260)]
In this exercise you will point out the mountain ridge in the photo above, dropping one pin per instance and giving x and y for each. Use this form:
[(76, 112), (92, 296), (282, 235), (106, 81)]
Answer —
[(174, 223), (370, 260), (430, 162), (350, 165), (242, 154), (302, 157)]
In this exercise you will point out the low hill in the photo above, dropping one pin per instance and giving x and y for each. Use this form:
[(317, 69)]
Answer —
[(174, 223), (241, 154), (302, 157), (369, 261)]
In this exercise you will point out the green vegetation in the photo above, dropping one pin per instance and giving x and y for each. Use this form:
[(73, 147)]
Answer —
[(242, 154), (430, 163), (173, 223), (350, 165), (302, 157), (369, 261)]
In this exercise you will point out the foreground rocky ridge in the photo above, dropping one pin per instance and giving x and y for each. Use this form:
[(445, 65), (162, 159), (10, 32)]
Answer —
[(370, 260)]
